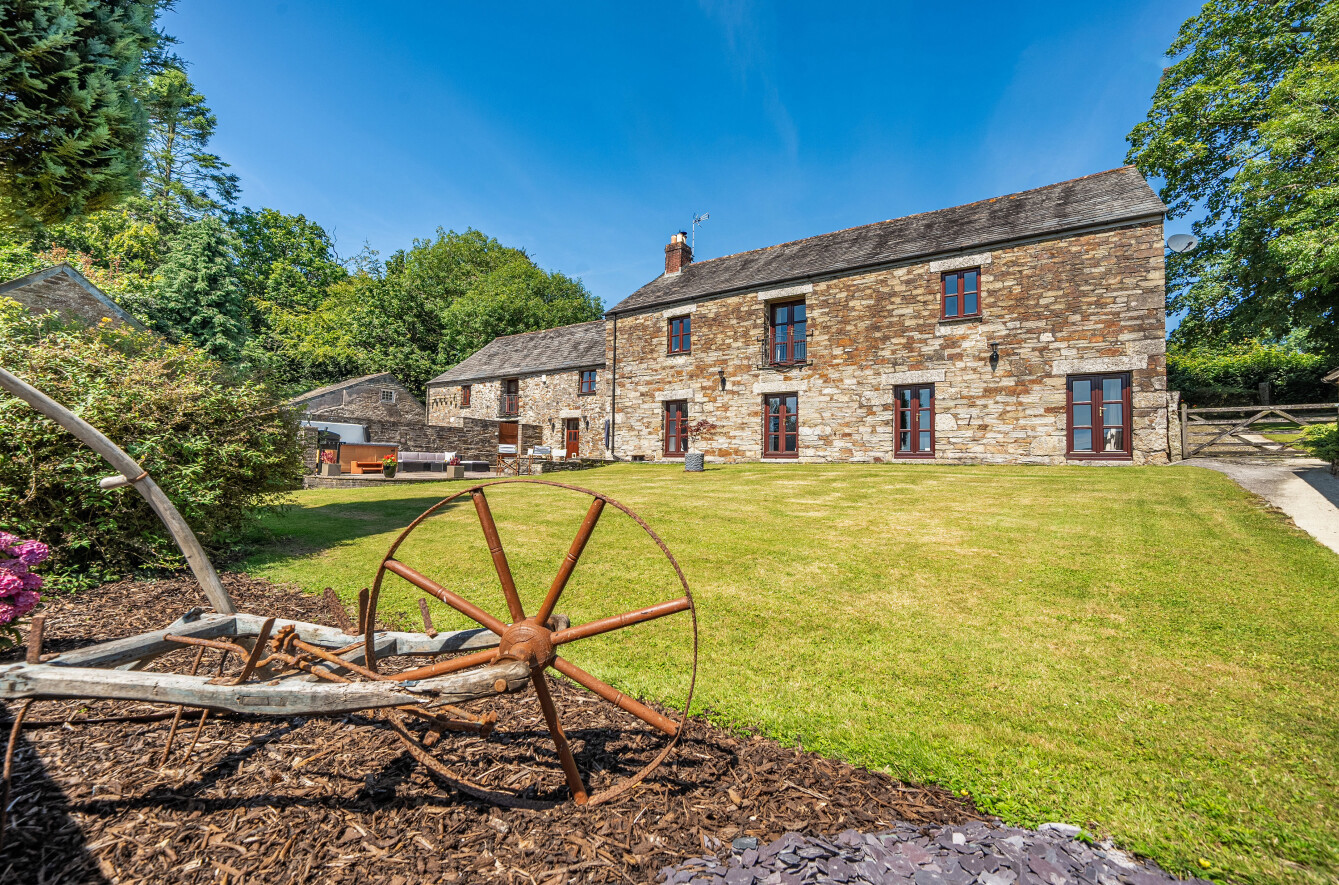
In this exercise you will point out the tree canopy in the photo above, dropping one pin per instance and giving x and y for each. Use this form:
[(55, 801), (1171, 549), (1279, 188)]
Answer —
[(72, 128), (1244, 128), (183, 180)]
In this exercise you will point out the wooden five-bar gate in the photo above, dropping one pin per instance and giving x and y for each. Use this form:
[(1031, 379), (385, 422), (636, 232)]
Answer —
[(1251, 431)]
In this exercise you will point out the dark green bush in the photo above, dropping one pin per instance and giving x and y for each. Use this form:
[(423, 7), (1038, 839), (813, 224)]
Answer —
[(221, 448), (1321, 441), (1231, 376)]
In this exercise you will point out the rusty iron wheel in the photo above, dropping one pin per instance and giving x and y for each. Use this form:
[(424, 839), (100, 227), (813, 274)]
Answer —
[(536, 640)]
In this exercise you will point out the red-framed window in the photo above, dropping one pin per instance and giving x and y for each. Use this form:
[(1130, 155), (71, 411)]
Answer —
[(464, 395), (786, 334), (915, 427), (681, 335), (587, 382), (1099, 416), (676, 422), (781, 426), (960, 293)]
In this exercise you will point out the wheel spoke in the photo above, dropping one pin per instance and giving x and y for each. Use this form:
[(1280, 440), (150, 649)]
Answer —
[(604, 625), (570, 560), (559, 739), (499, 557), (448, 666), (616, 697), (457, 602)]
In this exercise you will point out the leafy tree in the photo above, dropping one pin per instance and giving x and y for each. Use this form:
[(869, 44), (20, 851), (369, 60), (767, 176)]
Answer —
[(198, 296), (221, 448), (183, 179), (72, 130), (436, 304), (285, 261), (1245, 124)]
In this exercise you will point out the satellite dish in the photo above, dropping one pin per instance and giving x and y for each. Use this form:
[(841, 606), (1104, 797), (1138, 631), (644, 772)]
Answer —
[(1181, 242)]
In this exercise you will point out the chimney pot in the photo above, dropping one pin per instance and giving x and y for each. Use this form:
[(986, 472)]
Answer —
[(678, 254)]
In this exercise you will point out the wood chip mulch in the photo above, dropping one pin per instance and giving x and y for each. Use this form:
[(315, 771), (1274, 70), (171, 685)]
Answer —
[(339, 799)]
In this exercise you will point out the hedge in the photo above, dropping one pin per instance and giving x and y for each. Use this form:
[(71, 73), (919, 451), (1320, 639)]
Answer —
[(1231, 376)]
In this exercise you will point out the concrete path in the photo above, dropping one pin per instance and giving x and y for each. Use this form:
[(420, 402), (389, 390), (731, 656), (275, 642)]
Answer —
[(1303, 488)]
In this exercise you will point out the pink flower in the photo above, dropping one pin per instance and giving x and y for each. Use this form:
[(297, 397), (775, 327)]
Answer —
[(17, 566), (32, 552), (31, 581), (7, 613), (10, 583), (7, 540), (25, 602)]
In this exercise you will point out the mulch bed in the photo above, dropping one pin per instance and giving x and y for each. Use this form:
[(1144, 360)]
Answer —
[(339, 799)]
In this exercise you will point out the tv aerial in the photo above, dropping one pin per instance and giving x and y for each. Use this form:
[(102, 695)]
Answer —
[(697, 220), (1181, 243)]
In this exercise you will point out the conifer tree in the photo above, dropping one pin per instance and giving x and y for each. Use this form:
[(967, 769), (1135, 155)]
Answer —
[(72, 130), (198, 296)]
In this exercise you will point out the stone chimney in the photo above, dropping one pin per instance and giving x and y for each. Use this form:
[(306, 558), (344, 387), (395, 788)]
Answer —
[(678, 254)]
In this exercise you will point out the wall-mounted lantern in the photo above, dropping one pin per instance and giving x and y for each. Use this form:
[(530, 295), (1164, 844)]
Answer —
[(722, 374), (994, 355)]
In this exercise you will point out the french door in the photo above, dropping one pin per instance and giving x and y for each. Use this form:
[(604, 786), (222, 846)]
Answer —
[(573, 436), (915, 427), (781, 426)]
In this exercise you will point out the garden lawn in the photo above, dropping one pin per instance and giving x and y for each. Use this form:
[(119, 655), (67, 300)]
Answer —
[(1147, 652)]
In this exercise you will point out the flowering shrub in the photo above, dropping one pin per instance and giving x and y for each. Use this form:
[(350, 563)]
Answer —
[(18, 585), (221, 447)]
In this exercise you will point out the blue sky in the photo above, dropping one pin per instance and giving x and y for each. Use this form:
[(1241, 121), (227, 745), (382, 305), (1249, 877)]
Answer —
[(588, 133)]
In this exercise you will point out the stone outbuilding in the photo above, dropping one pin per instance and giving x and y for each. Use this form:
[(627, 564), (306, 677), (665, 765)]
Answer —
[(63, 290), (379, 397), (542, 388)]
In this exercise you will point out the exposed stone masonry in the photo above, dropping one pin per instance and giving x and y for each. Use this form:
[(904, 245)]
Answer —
[(1067, 305), (546, 401)]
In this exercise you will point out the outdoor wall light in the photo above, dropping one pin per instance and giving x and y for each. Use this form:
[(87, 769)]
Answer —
[(994, 355), (722, 374)]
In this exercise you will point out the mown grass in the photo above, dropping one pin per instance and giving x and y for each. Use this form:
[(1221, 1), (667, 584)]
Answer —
[(1149, 653)]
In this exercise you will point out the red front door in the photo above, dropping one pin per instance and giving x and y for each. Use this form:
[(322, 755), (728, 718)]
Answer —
[(573, 437)]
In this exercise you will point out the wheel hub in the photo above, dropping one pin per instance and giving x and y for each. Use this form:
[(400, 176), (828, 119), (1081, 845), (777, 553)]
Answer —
[(527, 641)]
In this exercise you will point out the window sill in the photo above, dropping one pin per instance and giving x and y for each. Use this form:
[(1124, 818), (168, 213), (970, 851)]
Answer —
[(772, 457), (914, 456), (592, 393), (672, 454), (958, 321), (1099, 456), (678, 353)]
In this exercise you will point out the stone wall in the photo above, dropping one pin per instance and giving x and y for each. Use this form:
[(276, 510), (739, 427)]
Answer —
[(362, 401), (1068, 305), (546, 401), (472, 440)]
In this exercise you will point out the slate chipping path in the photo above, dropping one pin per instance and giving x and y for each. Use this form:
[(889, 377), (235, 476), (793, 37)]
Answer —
[(976, 853)]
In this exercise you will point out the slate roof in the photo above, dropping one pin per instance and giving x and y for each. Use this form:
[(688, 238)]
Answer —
[(580, 345), (1095, 200), (331, 388)]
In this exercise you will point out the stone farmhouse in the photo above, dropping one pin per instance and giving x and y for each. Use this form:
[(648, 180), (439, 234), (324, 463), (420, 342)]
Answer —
[(1028, 328)]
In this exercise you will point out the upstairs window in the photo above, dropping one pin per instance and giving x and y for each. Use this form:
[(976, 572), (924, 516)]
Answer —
[(587, 382), (464, 395), (681, 335), (1099, 416), (786, 334), (961, 294), (388, 396)]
